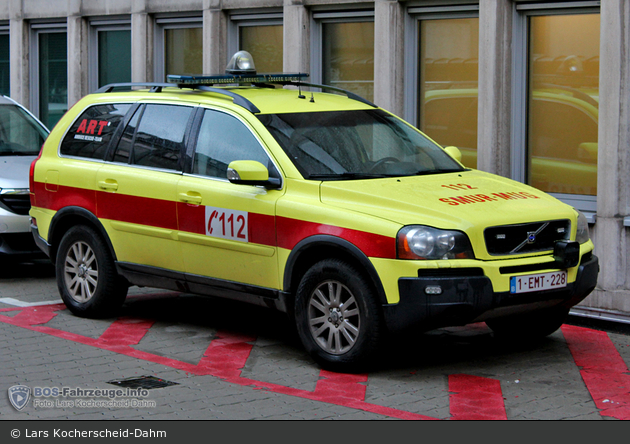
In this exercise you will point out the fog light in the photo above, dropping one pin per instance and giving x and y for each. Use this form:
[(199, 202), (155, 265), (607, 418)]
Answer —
[(435, 289)]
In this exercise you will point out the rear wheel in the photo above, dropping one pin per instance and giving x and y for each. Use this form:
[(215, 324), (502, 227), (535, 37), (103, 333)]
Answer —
[(86, 274), (533, 325), (337, 316)]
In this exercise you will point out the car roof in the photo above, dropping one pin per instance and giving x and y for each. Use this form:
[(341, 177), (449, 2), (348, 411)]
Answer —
[(265, 100)]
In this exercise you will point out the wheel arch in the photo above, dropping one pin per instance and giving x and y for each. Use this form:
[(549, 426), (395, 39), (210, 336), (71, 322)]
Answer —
[(69, 217), (315, 248)]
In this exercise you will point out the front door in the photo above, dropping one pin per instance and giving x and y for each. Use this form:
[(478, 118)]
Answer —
[(227, 231)]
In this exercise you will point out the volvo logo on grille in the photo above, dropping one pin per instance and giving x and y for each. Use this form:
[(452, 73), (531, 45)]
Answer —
[(531, 238)]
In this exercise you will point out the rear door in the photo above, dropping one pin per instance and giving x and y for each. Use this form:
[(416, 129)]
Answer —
[(136, 198)]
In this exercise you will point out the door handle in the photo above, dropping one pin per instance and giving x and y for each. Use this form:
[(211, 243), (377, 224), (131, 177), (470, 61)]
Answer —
[(108, 184), (191, 197)]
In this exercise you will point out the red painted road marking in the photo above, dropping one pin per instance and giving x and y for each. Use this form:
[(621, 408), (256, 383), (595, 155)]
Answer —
[(224, 359), (126, 331), (603, 370), (36, 315), (341, 385), (227, 354), (475, 398)]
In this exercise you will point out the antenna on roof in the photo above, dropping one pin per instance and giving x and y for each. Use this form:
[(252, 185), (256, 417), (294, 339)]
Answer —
[(300, 95)]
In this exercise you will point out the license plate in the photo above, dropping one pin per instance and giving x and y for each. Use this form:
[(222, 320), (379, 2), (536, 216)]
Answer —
[(538, 282)]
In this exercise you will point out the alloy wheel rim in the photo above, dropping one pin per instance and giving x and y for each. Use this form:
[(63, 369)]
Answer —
[(334, 318), (81, 272)]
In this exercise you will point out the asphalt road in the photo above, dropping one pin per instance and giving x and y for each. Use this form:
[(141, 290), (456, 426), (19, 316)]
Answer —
[(211, 359)]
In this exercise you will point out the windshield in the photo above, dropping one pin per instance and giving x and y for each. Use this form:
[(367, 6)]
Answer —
[(358, 144), (20, 134)]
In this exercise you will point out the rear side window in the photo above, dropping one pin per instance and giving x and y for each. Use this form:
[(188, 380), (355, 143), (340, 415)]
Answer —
[(155, 136), (90, 134)]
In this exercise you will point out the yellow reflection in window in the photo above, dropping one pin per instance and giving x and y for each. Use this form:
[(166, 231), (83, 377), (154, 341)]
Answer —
[(183, 51), (265, 45), (563, 103), (348, 56), (449, 51)]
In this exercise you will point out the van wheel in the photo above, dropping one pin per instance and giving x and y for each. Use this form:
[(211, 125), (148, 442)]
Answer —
[(86, 274), (533, 325), (337, 316)]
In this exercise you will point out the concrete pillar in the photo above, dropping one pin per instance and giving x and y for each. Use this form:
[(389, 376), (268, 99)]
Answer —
[(77, 59), (612, 239), (297, 37), (19, 60), (142, 43), (495, 82), (214, 38), (389, 16)]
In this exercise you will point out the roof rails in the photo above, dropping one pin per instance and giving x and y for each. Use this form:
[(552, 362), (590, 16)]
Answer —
[(237, 99), (259, 80), (348, 94), (202, 83), (157, 87), (154, 87)]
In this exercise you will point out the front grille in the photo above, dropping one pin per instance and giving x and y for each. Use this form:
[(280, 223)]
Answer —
[(526, 238), (16, 203)]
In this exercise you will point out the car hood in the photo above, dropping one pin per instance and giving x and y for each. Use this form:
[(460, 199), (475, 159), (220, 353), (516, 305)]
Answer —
[(468, 201), (14, 171)]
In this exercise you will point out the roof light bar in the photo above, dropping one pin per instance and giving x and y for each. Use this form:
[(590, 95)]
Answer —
[(226, 79)]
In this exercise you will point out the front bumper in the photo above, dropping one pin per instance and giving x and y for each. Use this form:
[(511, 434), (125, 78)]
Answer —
[(466, 299)]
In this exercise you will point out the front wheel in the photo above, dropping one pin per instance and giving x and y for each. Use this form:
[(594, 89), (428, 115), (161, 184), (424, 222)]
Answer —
[(337, 316), (533, 325), (86, 274)]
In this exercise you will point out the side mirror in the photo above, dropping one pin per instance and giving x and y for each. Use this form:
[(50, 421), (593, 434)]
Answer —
[(250, 172), (454, 152)]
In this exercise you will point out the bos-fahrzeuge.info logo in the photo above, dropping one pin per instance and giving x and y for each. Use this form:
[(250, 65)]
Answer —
[(19, 396), (64, 397)]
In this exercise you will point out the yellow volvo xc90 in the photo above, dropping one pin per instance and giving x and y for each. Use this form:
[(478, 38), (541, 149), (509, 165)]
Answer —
[(320, 205)]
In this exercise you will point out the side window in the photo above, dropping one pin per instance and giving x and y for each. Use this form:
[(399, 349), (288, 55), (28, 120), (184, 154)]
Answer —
[(154, 136), (160, 136), (91, 133), (223, 139)]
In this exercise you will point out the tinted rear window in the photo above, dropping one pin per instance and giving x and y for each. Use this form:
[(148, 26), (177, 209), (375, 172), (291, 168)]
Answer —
[(91, 133)]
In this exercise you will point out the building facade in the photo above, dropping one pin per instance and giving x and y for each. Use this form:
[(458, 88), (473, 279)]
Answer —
[(518, 86)]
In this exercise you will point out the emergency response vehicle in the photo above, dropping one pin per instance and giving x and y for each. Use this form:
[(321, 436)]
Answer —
[(319, 204)]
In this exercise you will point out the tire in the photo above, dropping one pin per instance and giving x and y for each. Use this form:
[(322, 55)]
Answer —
[(86, 274), (533, 325), (337, 316)]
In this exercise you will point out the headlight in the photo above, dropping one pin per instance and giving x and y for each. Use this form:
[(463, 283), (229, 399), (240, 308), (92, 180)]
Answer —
[(419, 242), (582, 228)]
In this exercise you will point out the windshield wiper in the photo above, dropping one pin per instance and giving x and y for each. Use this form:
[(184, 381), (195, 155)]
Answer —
[(346, 176), (440, 171)]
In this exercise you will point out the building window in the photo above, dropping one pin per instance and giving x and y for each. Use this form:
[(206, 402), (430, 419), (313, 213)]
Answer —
[(557, 95), (343, 51), (563, 91), (260, 34), (49, 79), (5, 73), (443, 53), (110, 52), (179, 46)]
